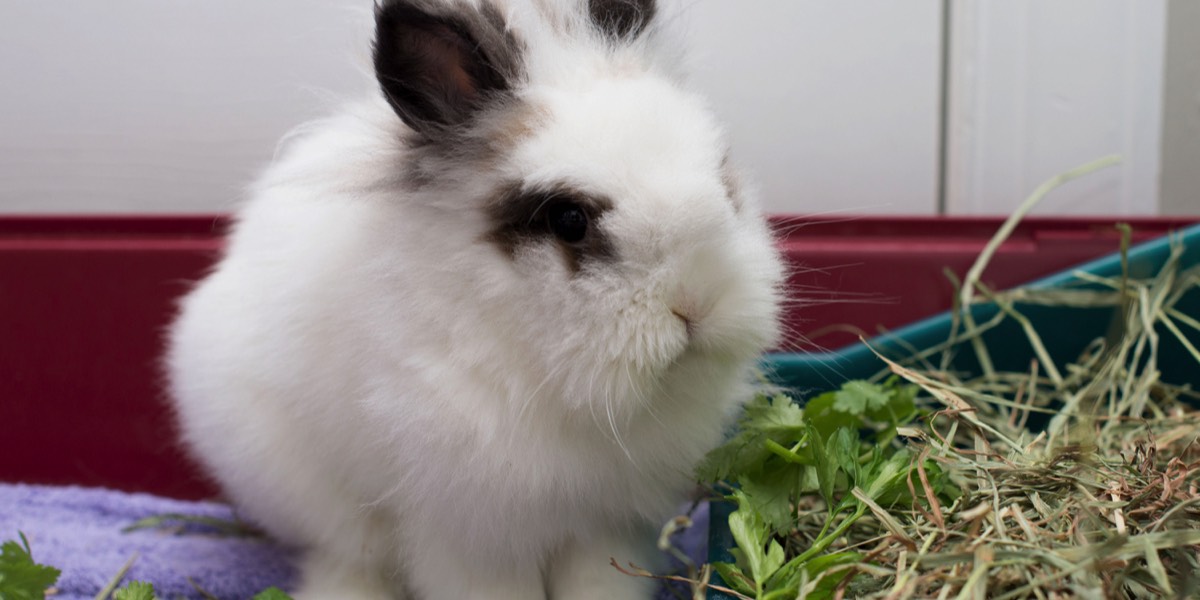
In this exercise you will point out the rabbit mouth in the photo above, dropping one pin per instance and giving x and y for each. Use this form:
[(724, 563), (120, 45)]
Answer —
[(689, 323)]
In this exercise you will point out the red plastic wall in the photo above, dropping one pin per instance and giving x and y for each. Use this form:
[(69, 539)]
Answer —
[(854, 277), (84, 303)]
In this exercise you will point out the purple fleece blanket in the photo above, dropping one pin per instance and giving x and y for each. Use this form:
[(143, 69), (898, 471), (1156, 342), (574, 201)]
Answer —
[(78, 530)]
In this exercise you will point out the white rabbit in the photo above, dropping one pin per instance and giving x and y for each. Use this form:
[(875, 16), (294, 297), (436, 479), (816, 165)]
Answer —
[(469, 337)]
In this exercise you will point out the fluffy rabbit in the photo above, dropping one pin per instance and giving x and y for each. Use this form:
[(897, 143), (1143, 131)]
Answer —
[(469, 337)]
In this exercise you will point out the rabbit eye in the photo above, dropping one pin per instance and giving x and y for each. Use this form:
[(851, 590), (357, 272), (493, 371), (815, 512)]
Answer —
[(568, 221), (559, 215)]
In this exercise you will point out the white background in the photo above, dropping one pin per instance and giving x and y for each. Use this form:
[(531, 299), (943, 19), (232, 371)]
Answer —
[(1038, 87), (163, 105), (834, 105)]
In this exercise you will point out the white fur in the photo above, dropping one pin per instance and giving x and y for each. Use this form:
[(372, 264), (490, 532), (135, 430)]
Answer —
[(369, 377)]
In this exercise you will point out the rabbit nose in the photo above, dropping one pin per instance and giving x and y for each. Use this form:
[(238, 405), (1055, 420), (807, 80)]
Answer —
[(684, 305), (689, 324)]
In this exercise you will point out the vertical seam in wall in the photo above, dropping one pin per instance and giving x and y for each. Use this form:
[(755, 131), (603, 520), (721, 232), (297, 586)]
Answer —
[(1021, 159), (1160, 207), (943, 121), (1179, 130)]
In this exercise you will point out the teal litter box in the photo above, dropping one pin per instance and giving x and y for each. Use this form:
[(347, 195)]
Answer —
[(1064, 332)]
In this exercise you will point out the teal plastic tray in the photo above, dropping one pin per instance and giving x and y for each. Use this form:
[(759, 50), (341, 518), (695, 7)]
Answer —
[(1064, 332)]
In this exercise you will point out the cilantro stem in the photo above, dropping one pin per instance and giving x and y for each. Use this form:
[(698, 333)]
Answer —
[(833, 513), (784, 453), (824, 541)]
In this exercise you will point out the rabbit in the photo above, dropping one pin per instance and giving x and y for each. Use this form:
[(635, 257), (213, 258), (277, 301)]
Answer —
[(470, 335)]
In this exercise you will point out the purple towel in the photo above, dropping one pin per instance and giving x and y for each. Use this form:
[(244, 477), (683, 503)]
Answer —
[(78, 530)]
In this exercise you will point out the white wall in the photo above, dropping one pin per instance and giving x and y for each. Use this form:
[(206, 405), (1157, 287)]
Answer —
[(1038, 87), (171, 106), (833, 103), (162, 105)]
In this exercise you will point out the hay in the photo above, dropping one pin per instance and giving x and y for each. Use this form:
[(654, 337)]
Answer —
[(1102, 502)]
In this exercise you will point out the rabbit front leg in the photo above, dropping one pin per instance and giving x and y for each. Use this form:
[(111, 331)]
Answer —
[(584, 571)]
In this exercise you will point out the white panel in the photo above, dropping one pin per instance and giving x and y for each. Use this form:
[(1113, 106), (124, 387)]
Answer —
[(1040, 87), (1181, 111), (832, 104), (162, 106)]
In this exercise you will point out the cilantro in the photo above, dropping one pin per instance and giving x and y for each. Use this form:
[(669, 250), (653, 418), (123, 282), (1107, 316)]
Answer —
[(136, 590), (758, 555), (776, 418), (864, 405), (859, 397), (839, 446), (770, 494), (20, 577)]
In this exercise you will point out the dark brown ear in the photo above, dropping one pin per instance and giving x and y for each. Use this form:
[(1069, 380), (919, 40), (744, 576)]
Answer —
[(439, 63), (622, 19)]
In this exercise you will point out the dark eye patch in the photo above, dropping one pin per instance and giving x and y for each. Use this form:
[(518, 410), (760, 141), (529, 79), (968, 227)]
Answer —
[(557, 214)]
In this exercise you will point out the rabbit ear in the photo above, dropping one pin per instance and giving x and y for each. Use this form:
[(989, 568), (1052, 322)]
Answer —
[(439, 63), (622, 19)]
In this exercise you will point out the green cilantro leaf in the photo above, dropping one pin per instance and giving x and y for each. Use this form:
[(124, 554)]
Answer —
[(761, 554), (900, 407), (272, 593), (746, 454), (826, 418), (826, 467), (888, 477), (20, 577), (135, 590), (770, 495), (735, 578), (860, 397), (775, 416)]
